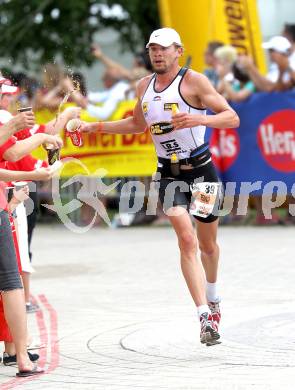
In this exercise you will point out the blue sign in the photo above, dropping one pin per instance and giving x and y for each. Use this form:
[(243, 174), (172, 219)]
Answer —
[(262, 149)]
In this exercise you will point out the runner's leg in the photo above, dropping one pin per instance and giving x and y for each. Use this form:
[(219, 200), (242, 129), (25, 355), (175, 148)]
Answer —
[(207, 236), (191, 267)]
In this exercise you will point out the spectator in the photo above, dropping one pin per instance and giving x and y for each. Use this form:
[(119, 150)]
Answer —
[(9, 355), (79, 79), (211, 61), (10, 284), (27, 163), (141, 63), (225, 58), (281, 75), (289, 33), (28, 87), (50, 95), (241, 87), (114, 92)]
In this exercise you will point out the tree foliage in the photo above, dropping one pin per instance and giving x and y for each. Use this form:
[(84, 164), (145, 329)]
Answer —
[(38, 31)]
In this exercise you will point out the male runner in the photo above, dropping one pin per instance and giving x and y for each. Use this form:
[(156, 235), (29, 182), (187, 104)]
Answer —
[(183, 158)]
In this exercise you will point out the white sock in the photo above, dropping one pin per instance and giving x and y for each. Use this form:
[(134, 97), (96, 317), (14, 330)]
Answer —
[(211, 292), (203, 309)]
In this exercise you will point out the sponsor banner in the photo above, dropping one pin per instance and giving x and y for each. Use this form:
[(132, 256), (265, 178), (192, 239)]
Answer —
[(120, 155), (262, 149), (233, 22)]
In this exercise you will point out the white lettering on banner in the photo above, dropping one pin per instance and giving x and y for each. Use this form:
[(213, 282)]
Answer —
[(226, 147), (277, 142)]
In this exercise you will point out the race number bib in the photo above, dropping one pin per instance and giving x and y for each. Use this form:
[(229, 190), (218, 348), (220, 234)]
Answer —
[(203, 198)]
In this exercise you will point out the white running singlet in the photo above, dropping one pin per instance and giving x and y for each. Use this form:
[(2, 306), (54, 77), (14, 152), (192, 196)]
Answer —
[(157, 110)]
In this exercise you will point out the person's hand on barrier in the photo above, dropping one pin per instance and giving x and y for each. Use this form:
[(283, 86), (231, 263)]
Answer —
[(23, 120), (53, 140), (184, 120), (20, 195)]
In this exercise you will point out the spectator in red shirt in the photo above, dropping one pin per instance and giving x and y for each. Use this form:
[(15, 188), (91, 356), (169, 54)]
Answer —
[(10, 283), (28, 163)]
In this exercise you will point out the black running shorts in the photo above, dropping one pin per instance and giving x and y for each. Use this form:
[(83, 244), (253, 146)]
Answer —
[(175, 191)]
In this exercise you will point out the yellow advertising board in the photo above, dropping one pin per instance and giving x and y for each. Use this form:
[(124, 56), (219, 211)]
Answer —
[(233, 22), (118, 154)]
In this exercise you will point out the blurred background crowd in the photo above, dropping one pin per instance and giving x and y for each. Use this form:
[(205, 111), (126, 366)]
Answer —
[(235, 76)]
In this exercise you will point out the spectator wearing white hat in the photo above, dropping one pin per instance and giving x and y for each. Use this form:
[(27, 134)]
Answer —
[(23, 119), (289, 33), (282, 68)]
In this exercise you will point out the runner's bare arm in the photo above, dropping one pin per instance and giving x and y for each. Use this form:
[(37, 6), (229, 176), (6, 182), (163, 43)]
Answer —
[(205, 93), (134, 124)]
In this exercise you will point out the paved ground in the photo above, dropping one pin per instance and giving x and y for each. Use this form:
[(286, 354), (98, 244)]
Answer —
[(116, 314)]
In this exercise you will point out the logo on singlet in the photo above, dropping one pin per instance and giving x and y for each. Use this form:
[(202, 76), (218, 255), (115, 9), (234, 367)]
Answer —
[(169, 106), (171, 145), (145, 107), (157, 98), (161, 128), (276, 140)]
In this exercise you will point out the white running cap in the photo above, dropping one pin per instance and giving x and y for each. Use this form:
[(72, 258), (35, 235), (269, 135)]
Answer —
[(164, 37), (279, 44), (6, 86)]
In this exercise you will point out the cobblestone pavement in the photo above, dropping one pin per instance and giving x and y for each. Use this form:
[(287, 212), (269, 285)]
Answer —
[(115, 312)]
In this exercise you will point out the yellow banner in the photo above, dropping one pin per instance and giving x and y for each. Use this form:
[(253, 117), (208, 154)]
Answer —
[(120, 155), (198, 22)]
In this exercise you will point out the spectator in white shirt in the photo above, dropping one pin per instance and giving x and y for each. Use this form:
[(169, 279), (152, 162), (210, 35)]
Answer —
[(114, 92), (281, 75)]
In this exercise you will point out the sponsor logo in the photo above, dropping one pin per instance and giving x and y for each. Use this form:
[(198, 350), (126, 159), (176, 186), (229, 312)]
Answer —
[(157, 98), (170, 106), (239, 31), (161, 128), (171, 145), (276, 140), (145, 108), (225, 147)]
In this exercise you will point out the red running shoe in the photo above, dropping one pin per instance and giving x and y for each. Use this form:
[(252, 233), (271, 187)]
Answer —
[(209, 332), (215, 311)]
